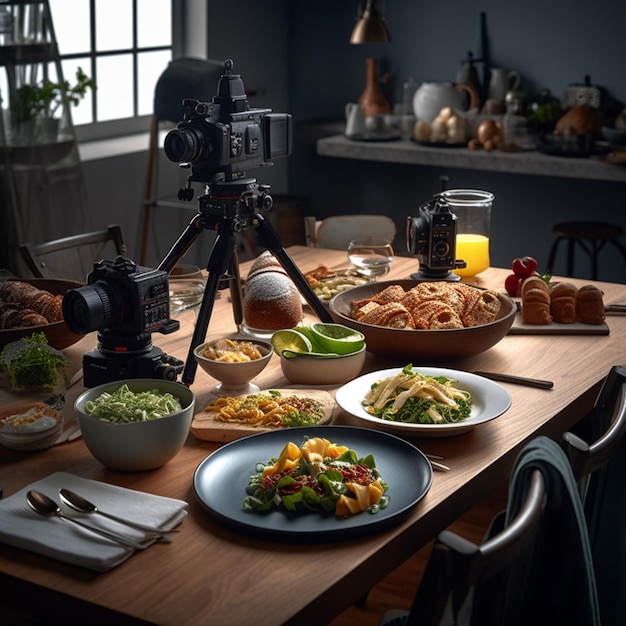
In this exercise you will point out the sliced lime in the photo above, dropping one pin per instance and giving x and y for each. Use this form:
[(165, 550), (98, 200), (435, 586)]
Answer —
[(338, 338), (289, 339)]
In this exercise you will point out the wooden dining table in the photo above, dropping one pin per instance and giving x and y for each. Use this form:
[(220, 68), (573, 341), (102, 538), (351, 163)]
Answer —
[(212, 573)]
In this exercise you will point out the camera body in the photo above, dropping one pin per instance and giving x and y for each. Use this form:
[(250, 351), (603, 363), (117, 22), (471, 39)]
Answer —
[(125, 303), (431, 237), (222, 138)]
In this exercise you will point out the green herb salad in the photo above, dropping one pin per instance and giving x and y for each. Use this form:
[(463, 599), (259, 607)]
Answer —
[(124, 405), (413, 398)]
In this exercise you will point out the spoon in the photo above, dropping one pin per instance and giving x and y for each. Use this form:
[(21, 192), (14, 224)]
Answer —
[(47, 507), (78, 503)]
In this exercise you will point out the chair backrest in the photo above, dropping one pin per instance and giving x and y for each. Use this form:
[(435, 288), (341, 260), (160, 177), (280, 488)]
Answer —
[(456, 566), (336, 232), (609, 415), (600, 468), (73, 257)]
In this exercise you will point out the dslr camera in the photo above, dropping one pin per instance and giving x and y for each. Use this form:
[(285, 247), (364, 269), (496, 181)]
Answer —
[(222, 138), (431, 237), (125, 303)]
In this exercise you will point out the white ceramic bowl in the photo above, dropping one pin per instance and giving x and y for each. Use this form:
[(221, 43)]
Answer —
[(136, 446), (323, 370), (235, 377)]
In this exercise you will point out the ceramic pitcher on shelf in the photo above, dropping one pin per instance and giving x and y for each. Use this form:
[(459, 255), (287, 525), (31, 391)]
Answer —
[(501, 81), (431, 97), (355, 119)]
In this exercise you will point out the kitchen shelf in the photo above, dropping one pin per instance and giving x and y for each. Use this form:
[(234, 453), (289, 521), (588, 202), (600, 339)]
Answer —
[(528, 162)]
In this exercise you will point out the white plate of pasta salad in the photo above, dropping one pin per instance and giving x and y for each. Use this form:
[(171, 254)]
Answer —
[(423, 401)]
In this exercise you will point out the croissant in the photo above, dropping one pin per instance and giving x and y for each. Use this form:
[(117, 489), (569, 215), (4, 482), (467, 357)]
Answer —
[(536, 306), (22, 304), (563, 303), (590, 305)]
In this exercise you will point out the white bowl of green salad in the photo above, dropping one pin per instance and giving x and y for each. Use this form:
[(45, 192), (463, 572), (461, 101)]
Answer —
[(135, 425)]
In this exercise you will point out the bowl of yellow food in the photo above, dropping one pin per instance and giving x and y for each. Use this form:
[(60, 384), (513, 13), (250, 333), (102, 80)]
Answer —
[(425, 322), (234, 362), (137, 424)]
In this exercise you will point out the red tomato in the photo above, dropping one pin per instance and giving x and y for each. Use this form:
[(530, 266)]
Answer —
[(513, 285), (524, 267)]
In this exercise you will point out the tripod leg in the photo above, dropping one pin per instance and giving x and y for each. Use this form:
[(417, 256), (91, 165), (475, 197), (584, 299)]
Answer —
[(219, 262), (273, 243), (183, 243)]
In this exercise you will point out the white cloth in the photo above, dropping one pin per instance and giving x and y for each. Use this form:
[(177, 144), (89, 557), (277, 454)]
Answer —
[(57, 538)]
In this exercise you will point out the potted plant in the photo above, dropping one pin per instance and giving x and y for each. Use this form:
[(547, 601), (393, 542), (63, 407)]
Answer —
[(37, 107)]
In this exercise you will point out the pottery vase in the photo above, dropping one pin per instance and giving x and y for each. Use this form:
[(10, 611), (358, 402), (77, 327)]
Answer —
[(372, 100)]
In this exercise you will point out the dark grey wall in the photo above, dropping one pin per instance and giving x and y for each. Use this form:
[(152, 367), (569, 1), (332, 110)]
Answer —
[(552, 44)]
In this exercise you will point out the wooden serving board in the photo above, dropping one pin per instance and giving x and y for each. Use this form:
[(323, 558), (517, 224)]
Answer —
[(204, 425), (577, 328)]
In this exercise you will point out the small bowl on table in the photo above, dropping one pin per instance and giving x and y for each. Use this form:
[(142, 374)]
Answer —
[(138, 445), (234, 376), (326, 369)]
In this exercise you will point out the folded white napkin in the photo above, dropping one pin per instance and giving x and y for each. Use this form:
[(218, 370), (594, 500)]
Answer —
[(22, 527)]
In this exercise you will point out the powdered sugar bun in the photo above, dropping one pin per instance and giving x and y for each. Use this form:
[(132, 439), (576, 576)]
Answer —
[(271, 301)]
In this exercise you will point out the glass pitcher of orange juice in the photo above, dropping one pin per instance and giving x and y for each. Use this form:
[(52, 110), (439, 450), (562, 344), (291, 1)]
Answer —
[(472, 208)]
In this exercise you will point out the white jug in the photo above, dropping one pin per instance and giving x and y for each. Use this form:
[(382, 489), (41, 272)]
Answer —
[(501, 81), (431, 97), (355, 120)]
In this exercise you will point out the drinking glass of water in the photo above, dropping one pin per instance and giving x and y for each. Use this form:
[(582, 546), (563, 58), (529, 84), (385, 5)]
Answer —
[(371, 256)]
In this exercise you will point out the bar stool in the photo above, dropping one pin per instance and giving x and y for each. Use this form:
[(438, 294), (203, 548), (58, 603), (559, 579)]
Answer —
[(591, 237)]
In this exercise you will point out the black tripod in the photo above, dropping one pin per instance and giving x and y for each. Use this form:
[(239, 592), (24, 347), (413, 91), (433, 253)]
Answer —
[(227, 208)]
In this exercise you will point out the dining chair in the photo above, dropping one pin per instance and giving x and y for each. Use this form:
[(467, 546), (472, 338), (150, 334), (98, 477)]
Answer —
[(457, 565), (600, 468), (72, 257), (337, 231), (533, 566), (185, 77)]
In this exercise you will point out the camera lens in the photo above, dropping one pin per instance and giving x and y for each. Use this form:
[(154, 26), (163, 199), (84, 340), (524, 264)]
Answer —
[(183, 145), (88, 308)]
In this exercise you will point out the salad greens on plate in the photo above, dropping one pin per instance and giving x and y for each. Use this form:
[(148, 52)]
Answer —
[(317, 476)]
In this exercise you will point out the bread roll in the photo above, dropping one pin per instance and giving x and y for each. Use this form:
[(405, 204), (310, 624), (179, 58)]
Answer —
[(534, 282), (590, 305), (563, 303), (271, 301)]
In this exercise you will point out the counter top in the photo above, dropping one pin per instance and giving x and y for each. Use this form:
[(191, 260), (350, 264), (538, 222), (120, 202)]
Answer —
[(528, 162)]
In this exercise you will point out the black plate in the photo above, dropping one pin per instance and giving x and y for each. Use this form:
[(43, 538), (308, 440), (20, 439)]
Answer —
[(220, 482)]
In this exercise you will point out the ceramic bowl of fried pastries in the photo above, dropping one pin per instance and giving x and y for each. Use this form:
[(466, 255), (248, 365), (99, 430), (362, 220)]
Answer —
[(425, 322), (29, 305)]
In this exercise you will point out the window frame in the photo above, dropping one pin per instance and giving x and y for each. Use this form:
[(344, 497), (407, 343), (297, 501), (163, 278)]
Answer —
[(137, 124)]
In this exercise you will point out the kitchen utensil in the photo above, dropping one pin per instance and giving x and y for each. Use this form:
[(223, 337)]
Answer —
[(355, 119), (433, 96), (80, 504), (502, 81), (585, 93), (42, 504), (517, 380), (468, 74)]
